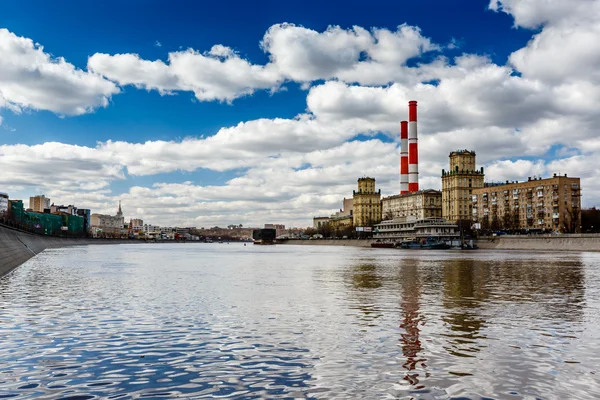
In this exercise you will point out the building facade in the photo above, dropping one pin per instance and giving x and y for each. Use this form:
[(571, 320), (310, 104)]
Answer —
[(421, 205), (39, 203), (318, 222), (552, 204), (137, 225), (70, 209), (3, 204), (458, 184), (366, 203), (341, 225), (279, 228), (108, 225)]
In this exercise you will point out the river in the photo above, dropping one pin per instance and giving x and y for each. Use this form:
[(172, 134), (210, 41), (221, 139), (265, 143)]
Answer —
[(272, 322)]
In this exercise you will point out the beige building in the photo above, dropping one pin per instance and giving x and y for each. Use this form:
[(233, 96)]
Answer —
[(421, 205), (366, 203), (458, 184), (137, 225), (552, 204), (318, 222), (340, 223), (107, 225), (39, 203)]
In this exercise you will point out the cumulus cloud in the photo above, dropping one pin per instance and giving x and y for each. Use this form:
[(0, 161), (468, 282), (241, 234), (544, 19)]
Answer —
[(32, 79), (296, 54), (219, 74), (535, 115)]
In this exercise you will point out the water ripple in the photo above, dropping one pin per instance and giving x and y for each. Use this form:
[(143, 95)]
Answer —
[(213, 321)]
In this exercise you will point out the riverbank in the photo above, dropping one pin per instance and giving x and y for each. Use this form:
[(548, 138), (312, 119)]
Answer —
[(567, 242), (16, 246), (329, 242)]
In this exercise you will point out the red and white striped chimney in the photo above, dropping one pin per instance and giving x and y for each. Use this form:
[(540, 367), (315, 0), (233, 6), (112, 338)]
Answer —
[(403, 157), (413, 148)]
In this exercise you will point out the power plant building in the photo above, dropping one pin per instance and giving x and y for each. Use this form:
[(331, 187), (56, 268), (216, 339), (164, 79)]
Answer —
[(422, 204), (366, 203), (458, 184), (552, 204)]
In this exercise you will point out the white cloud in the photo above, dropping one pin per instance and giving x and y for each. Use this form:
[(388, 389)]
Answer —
[(219, 74), (517, 117), (32, 79), (296, 53)]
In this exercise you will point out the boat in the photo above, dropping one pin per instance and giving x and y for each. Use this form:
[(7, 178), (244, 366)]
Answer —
[(427, 243)]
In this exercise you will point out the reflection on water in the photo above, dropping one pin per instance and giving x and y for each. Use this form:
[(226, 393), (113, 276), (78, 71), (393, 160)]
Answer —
[(411, 319), (215, 321)]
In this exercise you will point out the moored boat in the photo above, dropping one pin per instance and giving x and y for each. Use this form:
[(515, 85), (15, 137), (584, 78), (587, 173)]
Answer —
[(427, 243)]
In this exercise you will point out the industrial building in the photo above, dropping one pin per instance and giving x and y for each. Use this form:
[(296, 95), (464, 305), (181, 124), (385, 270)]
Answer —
[(366, 203), (422, 204), (458, 184), (552, 204)]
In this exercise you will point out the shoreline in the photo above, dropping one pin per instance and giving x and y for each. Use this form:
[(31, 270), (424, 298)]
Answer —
[(16, 246), (565, 242)]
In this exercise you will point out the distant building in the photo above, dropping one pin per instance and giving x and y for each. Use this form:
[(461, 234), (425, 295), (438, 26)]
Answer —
[(3, 204), (458, 184), (70, 209), (421, 205), (108, 225), (340, 223), (39, 203), (552, 204), (279, 228), (87, 218), (137, 225), (318, 222), (366, 203), (149, 229)]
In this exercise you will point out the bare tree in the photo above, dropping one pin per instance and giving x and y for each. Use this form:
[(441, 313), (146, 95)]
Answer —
[(571, 220)]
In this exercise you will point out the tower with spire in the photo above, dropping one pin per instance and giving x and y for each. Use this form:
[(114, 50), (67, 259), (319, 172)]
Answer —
[(120, 212)]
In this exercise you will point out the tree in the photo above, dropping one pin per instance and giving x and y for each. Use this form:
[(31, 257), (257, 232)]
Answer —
[(571, 220), (310, 231), (388, 215), (326, 230)]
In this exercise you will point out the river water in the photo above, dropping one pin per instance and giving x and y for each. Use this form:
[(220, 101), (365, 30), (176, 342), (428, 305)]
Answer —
[(272, 322)]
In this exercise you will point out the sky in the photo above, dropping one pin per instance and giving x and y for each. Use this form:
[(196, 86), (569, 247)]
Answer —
[(268, 112)]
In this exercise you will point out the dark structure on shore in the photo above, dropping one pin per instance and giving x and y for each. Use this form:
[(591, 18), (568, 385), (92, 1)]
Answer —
[(264, 236)]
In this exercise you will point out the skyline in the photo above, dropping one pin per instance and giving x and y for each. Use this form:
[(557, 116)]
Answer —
[(272, 119)]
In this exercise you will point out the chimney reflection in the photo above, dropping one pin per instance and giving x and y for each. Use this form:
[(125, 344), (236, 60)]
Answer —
[(411, 319)]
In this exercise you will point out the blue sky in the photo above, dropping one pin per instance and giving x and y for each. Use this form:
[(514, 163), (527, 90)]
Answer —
[(135, 133)]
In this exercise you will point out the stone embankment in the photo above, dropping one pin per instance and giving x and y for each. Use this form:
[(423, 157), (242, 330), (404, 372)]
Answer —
[(329, 242), (566, 242), (16, 247)]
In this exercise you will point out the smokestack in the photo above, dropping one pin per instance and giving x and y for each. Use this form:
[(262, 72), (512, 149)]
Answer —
[(403, 157), (413, 148)]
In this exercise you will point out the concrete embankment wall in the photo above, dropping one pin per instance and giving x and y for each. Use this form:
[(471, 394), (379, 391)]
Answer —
[(16, 247), (569, 242), (328, 242)]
